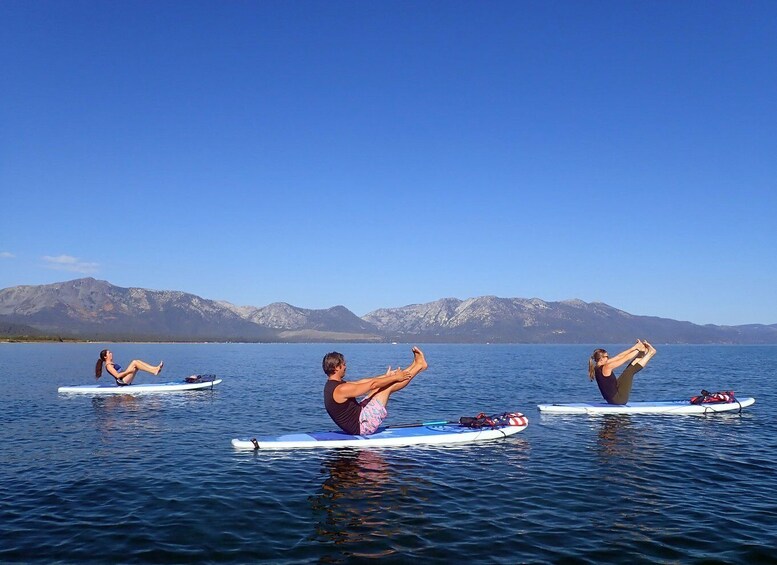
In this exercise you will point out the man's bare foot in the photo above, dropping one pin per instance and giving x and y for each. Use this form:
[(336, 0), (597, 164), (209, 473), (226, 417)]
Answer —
[(419, 359)]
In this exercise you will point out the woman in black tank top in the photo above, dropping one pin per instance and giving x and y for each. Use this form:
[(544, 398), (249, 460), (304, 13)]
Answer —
[(616, 390)]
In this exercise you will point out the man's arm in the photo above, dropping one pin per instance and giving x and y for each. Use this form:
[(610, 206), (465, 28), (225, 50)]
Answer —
[(363, 386)]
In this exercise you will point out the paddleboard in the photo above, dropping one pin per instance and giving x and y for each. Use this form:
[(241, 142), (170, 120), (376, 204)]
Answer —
[(112, 388), (661, 407), (422, 434)]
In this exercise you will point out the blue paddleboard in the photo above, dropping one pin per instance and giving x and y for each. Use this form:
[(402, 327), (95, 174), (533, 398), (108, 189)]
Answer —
[(422, 434), (190, 383)]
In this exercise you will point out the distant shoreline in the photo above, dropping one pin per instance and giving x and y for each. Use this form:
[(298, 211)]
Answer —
[(27, 339), (49, 339), (42, 339)]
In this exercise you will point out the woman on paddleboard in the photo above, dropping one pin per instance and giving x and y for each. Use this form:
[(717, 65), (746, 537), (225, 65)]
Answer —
[(616, 390), (365, 416), (126, 376)]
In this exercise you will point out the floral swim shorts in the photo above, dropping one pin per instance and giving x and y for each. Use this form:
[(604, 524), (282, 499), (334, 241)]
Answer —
[(372, 415)]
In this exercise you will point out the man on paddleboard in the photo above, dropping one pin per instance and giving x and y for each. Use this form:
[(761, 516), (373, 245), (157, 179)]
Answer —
[(365, 416)]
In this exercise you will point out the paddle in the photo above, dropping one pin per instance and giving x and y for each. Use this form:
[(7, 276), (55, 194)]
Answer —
[(418, 425), (479, 421)]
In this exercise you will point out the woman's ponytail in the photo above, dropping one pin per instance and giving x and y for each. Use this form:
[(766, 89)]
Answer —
[(98, 368)]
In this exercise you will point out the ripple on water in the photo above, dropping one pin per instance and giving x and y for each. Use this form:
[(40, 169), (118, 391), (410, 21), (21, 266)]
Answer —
[(142, 479)]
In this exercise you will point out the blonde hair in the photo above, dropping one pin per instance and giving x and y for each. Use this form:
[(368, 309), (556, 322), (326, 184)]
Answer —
[(593, 360)]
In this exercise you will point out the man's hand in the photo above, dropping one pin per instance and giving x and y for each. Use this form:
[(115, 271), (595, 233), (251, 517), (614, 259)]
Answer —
[(399, 374)]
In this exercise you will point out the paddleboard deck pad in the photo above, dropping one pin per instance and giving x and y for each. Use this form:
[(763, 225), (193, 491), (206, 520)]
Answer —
[(423, 434), (661, 407), (195, 382)]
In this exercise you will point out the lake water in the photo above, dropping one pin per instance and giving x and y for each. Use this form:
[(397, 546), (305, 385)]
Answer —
[(154, 478)]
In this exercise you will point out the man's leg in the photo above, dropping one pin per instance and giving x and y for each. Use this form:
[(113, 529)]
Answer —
[(419, 364), (372, 415)]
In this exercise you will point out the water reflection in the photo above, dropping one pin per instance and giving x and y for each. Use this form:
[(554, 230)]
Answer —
[(517, 453), (358, 505), (123, 413), (616, 435)]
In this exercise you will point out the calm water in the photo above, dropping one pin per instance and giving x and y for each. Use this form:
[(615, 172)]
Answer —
[(154, 478)]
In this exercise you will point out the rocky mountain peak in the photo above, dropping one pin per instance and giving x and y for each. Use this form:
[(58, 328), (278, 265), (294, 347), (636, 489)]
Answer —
[(95, 309)]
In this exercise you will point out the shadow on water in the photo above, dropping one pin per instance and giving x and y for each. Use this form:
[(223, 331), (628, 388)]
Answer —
[(349, 507), (393, 503), (617, 436), (118, 413), (357, 506)]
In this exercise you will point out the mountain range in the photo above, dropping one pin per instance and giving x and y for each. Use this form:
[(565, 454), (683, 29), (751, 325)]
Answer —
[(91, 309)]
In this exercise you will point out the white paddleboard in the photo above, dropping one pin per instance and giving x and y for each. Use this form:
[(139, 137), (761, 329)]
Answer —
[(661, 407), (424, 434), (112, 388)]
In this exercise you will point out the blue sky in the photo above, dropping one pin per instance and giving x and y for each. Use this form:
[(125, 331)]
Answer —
[(378, 154)]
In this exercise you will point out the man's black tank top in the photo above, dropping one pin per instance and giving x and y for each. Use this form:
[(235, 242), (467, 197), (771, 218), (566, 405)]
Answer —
[(345, 415)]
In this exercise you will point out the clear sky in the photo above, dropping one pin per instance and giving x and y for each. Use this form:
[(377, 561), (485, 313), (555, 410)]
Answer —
[(379, 154)]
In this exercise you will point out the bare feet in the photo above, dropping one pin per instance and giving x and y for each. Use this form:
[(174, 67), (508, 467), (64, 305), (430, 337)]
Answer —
[(648, 355), (419, 359), (159, 367)]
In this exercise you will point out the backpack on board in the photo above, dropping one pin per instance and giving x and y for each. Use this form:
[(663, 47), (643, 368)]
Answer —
[(494, 421), (707, 397)]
